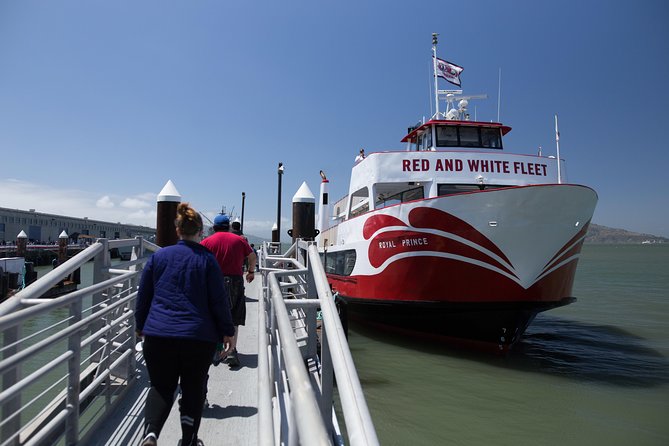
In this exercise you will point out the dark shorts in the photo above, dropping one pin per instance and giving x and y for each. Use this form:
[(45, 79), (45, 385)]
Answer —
[(235, 286)]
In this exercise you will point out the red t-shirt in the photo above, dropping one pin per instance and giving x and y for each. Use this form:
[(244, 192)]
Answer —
[(230, 250)]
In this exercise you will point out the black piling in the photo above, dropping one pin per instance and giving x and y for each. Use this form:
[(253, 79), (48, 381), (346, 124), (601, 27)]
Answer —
[(167, 203), (304, 215)]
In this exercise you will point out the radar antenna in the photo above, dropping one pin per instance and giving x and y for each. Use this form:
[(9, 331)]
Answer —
[(460, 113)]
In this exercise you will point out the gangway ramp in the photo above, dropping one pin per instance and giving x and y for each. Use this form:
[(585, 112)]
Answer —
[(231, 417)]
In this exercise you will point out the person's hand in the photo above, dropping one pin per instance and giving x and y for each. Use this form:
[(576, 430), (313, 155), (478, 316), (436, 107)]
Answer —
[(227, 345), (250, 276)]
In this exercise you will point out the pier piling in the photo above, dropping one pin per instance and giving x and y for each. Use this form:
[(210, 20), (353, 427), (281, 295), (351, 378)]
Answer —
[(304, 214), (168, 202)]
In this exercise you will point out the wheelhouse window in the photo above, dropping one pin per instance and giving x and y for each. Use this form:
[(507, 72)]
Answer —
[(490, 138), (447, 136), (425, 140), (468, 136)]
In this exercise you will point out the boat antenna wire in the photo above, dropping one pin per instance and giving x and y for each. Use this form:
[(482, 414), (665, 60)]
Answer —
[(499, 92), (557, 144), (434, 68)]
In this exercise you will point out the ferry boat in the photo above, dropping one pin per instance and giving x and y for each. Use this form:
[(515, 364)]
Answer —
[(454, 236)]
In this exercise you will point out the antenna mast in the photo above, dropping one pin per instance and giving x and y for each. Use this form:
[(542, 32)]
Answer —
[(434, 67), (557, 144)]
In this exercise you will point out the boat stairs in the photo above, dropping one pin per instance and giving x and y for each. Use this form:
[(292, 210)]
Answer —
[(71, 373)]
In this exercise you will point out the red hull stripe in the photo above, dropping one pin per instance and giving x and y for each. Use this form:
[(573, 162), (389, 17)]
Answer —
[(436, 279)]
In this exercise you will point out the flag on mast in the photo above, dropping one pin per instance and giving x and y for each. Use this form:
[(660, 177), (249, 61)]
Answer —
[(448, 71)]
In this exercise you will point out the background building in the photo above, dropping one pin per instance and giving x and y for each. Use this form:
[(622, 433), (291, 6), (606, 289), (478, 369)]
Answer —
[(46, 228)]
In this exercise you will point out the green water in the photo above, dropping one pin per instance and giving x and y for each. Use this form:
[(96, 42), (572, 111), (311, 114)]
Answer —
[(593, 373)]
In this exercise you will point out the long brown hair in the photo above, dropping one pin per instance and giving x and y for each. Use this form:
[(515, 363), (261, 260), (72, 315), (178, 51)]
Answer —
[(188, 220)]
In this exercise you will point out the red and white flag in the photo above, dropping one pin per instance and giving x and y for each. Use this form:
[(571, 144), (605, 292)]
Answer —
[(449, 71)]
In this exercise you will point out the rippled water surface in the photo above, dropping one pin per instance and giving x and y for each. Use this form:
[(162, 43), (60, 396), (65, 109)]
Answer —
[(593, 373)]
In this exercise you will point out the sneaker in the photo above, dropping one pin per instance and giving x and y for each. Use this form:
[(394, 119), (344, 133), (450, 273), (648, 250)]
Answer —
[(150, 440), (233, 360)]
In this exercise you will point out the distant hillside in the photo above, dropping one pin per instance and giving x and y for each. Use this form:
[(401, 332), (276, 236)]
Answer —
[(257, 241), (603, 234)]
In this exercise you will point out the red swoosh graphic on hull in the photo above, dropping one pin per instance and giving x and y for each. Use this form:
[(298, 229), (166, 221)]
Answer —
[(377, 222), (559, 255), (423, 217), (389, 243)]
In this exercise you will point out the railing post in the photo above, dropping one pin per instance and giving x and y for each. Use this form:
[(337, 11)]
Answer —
[(10, 338), (73, 378), (327, 381), (101, 264)]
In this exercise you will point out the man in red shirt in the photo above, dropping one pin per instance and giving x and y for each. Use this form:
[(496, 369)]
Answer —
[(230, 251)]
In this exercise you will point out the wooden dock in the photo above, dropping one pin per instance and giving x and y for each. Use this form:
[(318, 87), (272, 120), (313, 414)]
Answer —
[(232, 415)]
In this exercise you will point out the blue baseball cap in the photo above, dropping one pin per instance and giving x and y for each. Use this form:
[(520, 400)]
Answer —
[(222, 220)]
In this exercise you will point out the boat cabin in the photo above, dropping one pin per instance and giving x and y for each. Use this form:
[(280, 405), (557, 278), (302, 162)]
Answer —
[(437, 134)]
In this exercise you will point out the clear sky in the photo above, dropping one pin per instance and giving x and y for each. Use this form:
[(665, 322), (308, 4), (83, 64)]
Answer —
[(103, 102)]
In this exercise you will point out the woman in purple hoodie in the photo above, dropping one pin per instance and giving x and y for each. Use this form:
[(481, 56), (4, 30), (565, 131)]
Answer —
[(182, 311)]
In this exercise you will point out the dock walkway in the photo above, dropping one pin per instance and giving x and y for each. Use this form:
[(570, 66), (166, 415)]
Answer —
[(94, 391), (230, 418)]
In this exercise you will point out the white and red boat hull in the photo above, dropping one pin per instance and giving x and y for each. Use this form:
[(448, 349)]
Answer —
[(475, 266)]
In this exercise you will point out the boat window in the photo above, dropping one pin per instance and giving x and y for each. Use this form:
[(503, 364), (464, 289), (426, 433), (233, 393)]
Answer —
[(469, 137), (349, 262), (390, 198), (359, 202), (447, 136), (491, 138), (340, 263), (449, 189), (427, 139)]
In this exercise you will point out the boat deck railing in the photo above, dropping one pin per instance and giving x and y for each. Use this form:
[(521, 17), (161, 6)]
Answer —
[(297, 365), (66, 361)]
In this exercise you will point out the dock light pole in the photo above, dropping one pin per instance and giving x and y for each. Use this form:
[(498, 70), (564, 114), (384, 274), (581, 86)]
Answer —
[(242, 222), (278, 205)]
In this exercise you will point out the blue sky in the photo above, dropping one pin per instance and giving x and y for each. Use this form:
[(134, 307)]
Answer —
[(101, 103)]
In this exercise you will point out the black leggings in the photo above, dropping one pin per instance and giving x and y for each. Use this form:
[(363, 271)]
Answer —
[(172, 361)]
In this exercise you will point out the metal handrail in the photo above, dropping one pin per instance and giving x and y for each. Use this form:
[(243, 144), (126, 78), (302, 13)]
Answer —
[(305, 408), (100, 317)]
